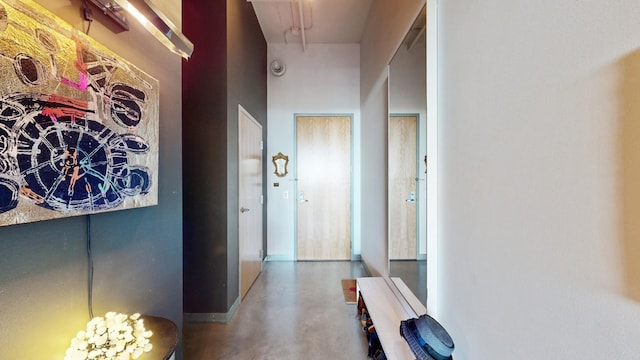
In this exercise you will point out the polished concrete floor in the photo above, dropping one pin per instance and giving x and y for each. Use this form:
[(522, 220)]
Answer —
[(414, 275), (294, 310)]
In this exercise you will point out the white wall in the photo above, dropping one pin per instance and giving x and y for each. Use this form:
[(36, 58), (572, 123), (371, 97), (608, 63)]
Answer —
[(540, 166), (324, 79)]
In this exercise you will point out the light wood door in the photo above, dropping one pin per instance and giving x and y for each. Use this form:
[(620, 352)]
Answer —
[(402, 187), (324, 187), (250, 200)]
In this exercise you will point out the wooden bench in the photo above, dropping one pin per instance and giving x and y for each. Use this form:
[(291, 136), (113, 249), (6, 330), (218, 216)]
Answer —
[(388, 304)]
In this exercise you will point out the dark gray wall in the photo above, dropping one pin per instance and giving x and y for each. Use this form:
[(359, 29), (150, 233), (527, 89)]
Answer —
[(228, 69), (138, 253), (247, 86), (205, 158)]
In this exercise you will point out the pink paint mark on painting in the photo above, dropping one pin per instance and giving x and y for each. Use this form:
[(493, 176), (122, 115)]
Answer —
[(81, 85)]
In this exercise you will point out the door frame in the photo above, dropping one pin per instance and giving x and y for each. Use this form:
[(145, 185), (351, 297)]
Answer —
[(242, 110), (295, 177), (420, 215)]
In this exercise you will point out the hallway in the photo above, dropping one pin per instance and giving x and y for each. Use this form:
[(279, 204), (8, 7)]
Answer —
[(295, 310)]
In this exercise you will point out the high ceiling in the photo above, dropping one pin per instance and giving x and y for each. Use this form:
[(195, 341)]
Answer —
[(324, 21)]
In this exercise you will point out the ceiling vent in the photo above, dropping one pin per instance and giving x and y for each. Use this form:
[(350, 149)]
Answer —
[(277, 68)]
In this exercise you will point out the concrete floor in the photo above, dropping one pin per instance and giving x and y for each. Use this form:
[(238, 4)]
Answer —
[(414, 274), (294, 310)]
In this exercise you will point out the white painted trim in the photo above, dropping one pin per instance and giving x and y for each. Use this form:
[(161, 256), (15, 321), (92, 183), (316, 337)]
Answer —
[(242, 110), (279, 258), (418, 195), (432, 157)]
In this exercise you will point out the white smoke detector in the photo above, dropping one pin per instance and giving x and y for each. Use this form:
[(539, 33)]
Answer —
[(277, 68)]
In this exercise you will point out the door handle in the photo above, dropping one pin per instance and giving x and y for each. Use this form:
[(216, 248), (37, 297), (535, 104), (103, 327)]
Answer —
[(412, 198), (244, 210), (301, 198)]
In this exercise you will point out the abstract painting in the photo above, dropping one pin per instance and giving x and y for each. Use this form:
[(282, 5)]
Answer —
[(78, 124)]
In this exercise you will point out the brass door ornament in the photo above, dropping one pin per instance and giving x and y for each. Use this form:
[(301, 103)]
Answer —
[(280, 163)]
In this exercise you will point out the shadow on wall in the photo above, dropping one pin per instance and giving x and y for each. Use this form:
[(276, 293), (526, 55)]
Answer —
[(629, 172)]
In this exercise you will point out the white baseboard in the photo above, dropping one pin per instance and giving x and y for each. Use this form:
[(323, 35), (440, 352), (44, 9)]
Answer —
[(279, 258)]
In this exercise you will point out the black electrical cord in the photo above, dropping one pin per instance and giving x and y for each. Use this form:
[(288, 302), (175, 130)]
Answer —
[(88, 27), (87, 15), (90, 269)]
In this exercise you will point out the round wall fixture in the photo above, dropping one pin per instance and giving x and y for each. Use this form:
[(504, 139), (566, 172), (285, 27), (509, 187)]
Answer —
[(278, 68)]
